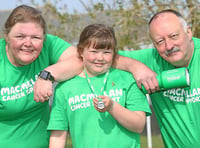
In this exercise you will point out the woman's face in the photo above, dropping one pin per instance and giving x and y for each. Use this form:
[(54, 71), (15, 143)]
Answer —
[(97, 61), (24, 43)]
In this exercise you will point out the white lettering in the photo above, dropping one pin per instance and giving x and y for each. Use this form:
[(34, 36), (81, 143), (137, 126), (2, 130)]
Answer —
[(13, 97), (81, 105), (181, 95), (85, 100), (71, 100), (82, 97)]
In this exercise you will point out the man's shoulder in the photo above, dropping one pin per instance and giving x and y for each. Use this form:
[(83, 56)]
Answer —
[(196, 39), (196, 42), (121, 75)]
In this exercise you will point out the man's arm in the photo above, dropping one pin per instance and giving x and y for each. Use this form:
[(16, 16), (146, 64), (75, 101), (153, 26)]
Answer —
[(142, 74), (68, 65)]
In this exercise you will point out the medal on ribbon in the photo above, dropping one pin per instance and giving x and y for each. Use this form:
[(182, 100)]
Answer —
[(100, 104)]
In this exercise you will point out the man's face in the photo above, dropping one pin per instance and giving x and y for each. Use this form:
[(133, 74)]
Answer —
[(170, 39)]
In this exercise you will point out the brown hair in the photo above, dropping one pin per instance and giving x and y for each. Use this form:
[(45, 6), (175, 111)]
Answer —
[(99, 36), (24, 14)]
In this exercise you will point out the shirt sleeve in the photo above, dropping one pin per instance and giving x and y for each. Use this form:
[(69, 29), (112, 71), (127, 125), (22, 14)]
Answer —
[(136, 100), (143, 55), (54, 47), (58, 118), (150, 57)]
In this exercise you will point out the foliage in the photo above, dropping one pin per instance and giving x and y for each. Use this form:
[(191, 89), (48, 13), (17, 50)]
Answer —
[(156, 141), (59, 21), (128, 17)]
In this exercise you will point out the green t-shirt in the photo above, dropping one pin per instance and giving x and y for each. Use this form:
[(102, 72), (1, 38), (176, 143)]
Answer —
[(177, 110), (23, 122), (73, 111)]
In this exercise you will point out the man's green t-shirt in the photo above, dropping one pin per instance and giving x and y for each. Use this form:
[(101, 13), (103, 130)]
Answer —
[(177, 110), (73, 111), (23, 122)]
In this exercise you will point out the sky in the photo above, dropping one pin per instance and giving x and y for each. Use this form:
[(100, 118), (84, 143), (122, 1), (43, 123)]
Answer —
[(71, 4)]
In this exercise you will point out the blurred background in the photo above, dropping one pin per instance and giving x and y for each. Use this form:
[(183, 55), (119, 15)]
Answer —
[(67, 18), (129, 18)]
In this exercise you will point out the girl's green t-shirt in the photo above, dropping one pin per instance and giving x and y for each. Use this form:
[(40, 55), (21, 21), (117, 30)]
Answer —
[(73, 111)]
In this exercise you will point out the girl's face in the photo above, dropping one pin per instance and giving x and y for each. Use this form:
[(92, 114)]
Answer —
[(97, 61), (24, 43)]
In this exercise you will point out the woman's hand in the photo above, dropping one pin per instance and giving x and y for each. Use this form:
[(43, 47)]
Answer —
[(43, 89)]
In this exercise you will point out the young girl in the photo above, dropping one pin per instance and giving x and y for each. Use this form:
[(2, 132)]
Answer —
[(102, 106)]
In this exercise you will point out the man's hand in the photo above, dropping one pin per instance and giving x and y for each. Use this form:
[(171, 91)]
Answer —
[(43, 89), (142, 74), (146, 77)]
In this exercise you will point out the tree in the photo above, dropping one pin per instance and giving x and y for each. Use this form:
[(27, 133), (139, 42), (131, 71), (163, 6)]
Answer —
[(58, 21), (128, 17)]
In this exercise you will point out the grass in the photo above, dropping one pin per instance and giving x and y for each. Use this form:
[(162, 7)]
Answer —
[(156, 142), (69, 142)]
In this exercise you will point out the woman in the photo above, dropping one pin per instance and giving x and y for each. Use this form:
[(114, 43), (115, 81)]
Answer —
[(102, 106), (25, 51)]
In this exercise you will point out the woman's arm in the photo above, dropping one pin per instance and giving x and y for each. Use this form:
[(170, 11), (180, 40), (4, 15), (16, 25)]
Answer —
[(68, 65)]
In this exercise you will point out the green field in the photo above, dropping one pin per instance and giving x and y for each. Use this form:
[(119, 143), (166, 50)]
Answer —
[(156, 142)]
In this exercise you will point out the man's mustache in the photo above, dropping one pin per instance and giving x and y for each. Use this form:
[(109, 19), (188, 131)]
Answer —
[(174, 49)]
